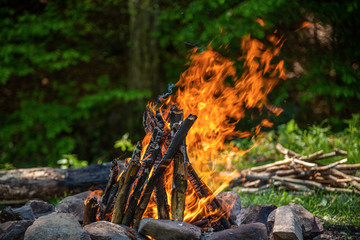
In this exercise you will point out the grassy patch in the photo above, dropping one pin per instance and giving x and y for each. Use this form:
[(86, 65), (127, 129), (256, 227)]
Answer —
[(333, 208)]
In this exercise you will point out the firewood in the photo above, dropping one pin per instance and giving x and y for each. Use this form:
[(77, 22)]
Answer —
[(90, 210), (348, 167), (125, 183), (167, 158), (294, 186), (337, 152), (312, 156), (344, 190), (112, 180), (303, 163), (203, 191), (264, 167), (354, 181), (298, 181), (329, 166), (153, 150), (286, 151), (161, 199), (178, 193)]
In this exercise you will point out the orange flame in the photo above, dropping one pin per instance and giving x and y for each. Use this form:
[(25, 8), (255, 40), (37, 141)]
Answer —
[(211, 89)]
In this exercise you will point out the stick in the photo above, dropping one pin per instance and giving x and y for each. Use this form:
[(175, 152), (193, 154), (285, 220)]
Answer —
[(312, 156), (298, 181), (354, 182), (348, 166), (306, 164), (125, 184), (264, 167), (90, 210), (170, 153), (337, 152)]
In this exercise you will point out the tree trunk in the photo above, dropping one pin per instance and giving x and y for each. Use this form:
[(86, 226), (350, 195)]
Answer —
[(20, 185)]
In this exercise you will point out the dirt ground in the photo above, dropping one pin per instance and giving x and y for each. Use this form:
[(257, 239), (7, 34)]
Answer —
[(335, 232)]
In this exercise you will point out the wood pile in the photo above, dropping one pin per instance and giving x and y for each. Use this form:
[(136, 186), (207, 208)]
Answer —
[(127, 194), (301, 173)]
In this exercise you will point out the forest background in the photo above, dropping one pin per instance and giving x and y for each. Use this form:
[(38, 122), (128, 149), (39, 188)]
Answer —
[(75, 76)]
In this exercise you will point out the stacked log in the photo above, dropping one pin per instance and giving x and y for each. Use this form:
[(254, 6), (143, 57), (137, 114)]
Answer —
[(301, 173), (127, 194)]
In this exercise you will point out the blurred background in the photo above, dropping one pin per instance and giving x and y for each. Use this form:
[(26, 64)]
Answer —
[(75, 76)]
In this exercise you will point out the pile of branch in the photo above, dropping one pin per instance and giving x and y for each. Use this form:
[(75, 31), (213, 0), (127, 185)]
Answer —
[(127, 194), (301, 173)]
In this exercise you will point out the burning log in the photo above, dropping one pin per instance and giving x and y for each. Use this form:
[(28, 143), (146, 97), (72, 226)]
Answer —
[(203, 191), (178, 193), (90, 210), (151, 153), (170, 153), (112, 180), (125, 183)]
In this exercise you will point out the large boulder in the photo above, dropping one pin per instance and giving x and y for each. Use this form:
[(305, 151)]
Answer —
[(104, 230), (74, 205), (161, 229), (252, 231), (56, 226), (14, 230)]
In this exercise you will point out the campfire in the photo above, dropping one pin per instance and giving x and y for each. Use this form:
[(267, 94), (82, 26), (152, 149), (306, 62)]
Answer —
[(171, 172)]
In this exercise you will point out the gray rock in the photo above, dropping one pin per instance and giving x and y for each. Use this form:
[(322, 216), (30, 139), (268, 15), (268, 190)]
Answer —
[(161, 229), (230, 202), (312, 227), (252, 231), (287, 225), (14, 230), (7, 214), (104, 230), (25, 212), (255, 213), (56, 226), (74, 205), (40, 208)]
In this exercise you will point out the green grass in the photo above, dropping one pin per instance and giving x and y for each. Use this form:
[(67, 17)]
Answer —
[(333, 208)]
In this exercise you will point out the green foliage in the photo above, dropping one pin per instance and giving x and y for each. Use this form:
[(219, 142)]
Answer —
[(124, 143), (335, 208), (71, 160), (302, 141), (31, 42)]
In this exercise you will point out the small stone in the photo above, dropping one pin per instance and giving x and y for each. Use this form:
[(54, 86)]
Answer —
[(14, 230), (56, 226), (287, 225), (25, 212), (74, 205), (162, 229), (104, 230), (255, 213), (231, 203), (312, 227), (40, 208), (252, 231)]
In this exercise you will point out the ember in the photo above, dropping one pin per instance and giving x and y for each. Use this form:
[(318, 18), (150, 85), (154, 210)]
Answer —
[(160, 180)]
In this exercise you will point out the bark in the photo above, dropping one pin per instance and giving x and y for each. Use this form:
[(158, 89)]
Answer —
[(21, 185), (90, 210)]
